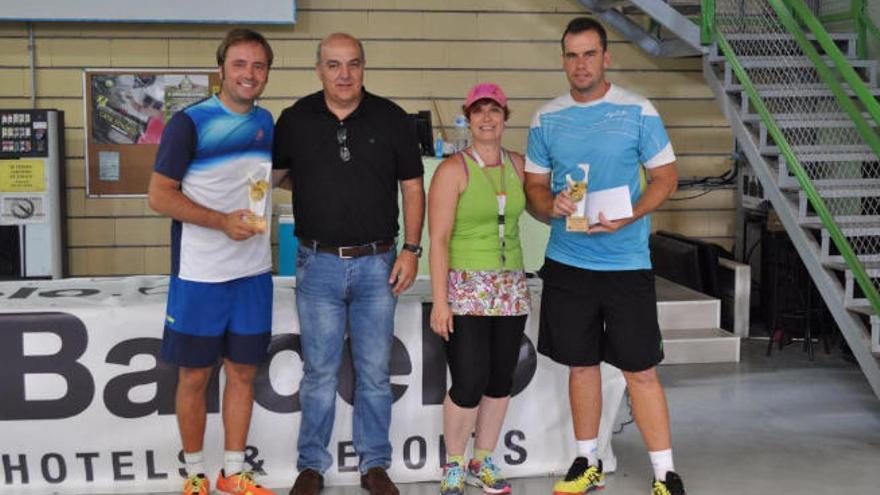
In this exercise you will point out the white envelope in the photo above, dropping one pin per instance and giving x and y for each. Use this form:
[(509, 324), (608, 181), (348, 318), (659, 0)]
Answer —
[(614, 203)]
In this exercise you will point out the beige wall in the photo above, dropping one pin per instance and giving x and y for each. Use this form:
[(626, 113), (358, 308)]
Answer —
[(416, 51)]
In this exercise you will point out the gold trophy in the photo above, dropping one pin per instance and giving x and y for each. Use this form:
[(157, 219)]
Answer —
[(577, 191), (259, 197)]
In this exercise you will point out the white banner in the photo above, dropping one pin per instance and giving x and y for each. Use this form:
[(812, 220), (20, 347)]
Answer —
[(87, 406)]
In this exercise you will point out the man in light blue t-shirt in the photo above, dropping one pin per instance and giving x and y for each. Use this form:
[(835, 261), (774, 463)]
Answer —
[(598, 302)]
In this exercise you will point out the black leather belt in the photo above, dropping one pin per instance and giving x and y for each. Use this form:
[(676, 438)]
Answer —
[(346, 252)]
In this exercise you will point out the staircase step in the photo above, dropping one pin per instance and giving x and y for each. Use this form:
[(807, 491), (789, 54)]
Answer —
[(765, 70), (819, 123), (862, 235), (867, 311), (850, 298), (862, 309), (772, 149), (837, 157), (782, 106), (765, 43), (774, 62), (679, 307), (811, 132), (858, 225), (802, 117), (842, 267), (860, 203), (832, 169), (699, 345), (855, 191), (789, 183), (815, 223), (797, 92)]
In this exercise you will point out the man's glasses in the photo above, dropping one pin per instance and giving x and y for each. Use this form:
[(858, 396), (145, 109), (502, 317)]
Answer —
[(342, 139)]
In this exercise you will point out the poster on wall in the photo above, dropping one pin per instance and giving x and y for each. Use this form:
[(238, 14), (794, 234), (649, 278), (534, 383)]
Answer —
[(126, 112)]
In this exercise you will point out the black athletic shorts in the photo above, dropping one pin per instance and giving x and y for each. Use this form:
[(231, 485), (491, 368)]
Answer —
[(588, 316)]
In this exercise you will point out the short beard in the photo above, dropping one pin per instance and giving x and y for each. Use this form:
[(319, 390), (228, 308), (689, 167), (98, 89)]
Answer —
[(592, 88)]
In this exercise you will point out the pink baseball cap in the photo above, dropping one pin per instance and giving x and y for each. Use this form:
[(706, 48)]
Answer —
[(489, 91)]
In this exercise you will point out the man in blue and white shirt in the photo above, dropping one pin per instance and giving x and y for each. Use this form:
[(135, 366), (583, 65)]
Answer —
[(598, 301), (220, 290)]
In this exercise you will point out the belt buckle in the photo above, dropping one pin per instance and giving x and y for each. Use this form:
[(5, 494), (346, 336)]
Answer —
[(342, 256)]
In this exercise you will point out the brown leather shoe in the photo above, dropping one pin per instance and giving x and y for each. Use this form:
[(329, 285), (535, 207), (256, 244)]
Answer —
[(309, 482), (378, 483)]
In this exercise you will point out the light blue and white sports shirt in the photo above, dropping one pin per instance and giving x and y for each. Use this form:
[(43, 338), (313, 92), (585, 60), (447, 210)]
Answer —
[(213, 152), (616, 135)]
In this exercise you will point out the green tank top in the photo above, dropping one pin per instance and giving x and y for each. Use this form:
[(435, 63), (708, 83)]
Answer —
[(474, 243)]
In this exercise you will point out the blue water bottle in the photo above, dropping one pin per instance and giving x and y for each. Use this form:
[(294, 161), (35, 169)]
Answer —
[(438, 146)]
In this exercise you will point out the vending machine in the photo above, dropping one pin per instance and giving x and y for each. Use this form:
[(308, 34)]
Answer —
[(32, 233)]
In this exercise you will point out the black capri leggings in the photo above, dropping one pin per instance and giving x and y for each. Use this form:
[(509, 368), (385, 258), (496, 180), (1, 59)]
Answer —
[(482, 353)]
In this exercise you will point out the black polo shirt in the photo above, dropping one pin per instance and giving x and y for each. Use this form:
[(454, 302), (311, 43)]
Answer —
[(350, 202)]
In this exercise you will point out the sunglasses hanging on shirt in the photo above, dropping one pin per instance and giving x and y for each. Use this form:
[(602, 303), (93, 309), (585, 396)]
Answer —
[(342, 139)]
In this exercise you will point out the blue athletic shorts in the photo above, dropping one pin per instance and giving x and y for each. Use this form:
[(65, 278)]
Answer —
[(205, 321)]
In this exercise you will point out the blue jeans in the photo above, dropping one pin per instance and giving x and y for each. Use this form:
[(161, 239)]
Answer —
[(332, 295)]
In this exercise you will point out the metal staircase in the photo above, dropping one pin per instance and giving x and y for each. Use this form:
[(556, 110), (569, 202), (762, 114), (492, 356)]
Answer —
[(804, 109), (669, 15)]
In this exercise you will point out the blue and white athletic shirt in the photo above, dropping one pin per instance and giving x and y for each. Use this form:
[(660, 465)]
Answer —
[(212, 151), (616, 135)]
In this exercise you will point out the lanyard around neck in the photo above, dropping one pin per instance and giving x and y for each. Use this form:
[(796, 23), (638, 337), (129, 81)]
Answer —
[(500, 196)]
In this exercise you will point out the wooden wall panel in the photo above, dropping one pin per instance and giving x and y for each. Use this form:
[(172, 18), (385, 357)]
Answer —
[(419, 53)]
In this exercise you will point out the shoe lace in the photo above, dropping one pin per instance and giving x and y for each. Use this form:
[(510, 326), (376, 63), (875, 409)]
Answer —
[(454, 475), (593, 474), (489, 471), (196, 482), (245, 479), (660, 489), (672, 486), (578, 469)]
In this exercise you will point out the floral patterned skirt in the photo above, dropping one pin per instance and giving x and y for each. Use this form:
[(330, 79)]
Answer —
[(488, 292)]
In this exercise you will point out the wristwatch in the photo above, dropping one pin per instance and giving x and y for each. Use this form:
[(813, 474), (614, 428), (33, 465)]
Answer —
[(413, 248)]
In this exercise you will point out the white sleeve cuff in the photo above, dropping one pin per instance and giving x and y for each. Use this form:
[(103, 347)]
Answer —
[(664, 157), (534, 168)]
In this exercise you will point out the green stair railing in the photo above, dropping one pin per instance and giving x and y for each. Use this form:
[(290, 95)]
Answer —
[(787, 17), (862, 23), (751, 17)]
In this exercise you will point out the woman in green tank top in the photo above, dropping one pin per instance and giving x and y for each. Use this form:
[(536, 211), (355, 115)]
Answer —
[(480, 297)]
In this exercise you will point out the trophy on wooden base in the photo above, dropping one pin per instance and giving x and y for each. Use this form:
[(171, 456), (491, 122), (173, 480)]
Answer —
[(258, 196), (577, 191)]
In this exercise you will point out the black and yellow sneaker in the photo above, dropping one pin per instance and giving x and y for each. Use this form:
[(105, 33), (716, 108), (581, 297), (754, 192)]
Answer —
[(581, 478), (672, 485)]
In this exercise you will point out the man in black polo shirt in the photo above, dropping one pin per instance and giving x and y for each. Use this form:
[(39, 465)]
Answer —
[(345, 152)]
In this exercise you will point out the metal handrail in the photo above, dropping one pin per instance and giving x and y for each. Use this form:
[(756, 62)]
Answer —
[(707, 22), (840, 62), (857, 13), (797, 169)]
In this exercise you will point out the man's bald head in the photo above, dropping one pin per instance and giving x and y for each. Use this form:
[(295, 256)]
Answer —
[(340, 37)]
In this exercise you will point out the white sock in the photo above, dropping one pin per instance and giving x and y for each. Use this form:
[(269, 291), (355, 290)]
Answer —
[(233, 462), (662, 462), (590, 450), (195, 463)]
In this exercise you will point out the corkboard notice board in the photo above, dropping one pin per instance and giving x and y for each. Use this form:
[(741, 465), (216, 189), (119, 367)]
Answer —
[(126, 111)]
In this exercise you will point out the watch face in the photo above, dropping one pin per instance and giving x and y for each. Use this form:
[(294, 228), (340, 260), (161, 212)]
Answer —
[(413, 249)]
